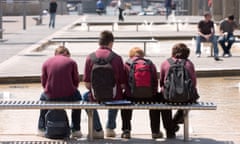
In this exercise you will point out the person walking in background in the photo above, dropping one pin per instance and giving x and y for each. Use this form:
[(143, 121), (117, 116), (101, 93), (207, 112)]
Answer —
[(206, 32), (121, 8), (52, 12), (60, 80), (227, 27), (105, 51), (100, 7), (179, 52), (168, 6)]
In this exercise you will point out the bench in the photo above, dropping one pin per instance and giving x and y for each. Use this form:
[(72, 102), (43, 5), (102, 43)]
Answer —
[(93, 40), (90, 106), (38, 20), (209, 44)]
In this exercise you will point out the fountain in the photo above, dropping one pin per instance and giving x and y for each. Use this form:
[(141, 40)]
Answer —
[(84, 23)]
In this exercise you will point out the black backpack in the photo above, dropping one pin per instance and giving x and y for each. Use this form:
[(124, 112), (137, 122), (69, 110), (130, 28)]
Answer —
[(178, 86), (103, 78), (141, 79), (57, 125)]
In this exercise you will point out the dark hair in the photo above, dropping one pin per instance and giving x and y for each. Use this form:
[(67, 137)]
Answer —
[(207, 14), (181, 51), (231, 17), (106, 37)]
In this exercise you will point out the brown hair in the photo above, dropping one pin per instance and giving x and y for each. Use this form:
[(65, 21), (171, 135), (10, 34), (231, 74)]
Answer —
[(136, 51), (181, 51), (106, 37), (61, 50)]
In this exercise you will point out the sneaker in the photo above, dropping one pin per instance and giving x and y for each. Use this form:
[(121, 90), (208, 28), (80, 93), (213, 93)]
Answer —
[(217, 58), (110, 133), (41, 132), (198, 54), (157, 135), (77, 134), (126, 134), (98, 134)]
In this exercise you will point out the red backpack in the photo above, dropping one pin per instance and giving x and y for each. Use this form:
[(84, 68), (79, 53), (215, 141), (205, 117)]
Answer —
[(141, 78)]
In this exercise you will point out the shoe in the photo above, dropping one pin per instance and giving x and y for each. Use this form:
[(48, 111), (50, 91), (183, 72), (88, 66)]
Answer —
[(76, 134), (171, 135), (98, 134), (198, 54), (126, 134), (41, 132), (110, 133), (157, 135), (217, 58)]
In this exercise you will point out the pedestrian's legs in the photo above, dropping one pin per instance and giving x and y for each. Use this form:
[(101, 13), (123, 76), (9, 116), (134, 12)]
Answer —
[(50, 20), (120, 15), (231, 40), (213, 39), (198, 44), (53, 20), (126, 119), (76, 114), (168, 123), (96, 121), (41, 121), (112, 115), (222, 41), (155, 121)]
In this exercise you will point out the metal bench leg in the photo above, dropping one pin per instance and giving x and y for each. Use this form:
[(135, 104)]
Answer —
[(137, 28), (90, 124), (186, 125)]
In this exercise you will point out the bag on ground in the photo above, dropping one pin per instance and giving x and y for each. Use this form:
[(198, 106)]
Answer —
[(103, 78), (141, 78), (57, 125), (178, 86)]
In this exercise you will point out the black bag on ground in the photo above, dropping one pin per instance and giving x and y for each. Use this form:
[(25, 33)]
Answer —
[(103, 78), (57, 125), (178, 86)]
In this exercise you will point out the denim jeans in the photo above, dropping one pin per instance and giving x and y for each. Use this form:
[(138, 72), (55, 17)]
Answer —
[(52, 20), (168, 11), (213, 40), (112, 115), (76, 114), (229, 39)]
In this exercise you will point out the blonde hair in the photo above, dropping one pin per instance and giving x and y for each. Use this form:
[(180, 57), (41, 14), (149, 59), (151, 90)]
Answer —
[(61, 50), (136, 51)]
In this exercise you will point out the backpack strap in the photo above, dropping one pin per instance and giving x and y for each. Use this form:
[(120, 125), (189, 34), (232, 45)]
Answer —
[(172, 62), (94, 58)]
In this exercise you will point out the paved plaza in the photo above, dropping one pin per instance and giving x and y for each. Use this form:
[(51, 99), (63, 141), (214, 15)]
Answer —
[(24, 51)]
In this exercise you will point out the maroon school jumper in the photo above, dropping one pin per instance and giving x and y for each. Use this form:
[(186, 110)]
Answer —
[(59, 76)]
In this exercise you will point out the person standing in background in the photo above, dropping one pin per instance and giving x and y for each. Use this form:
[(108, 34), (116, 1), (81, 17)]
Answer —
[(121, 9), (168, 6), (52, 11)]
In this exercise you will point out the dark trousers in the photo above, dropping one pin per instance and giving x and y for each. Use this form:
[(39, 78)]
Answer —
[(154, 115), (76, 114), (120, 15)]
